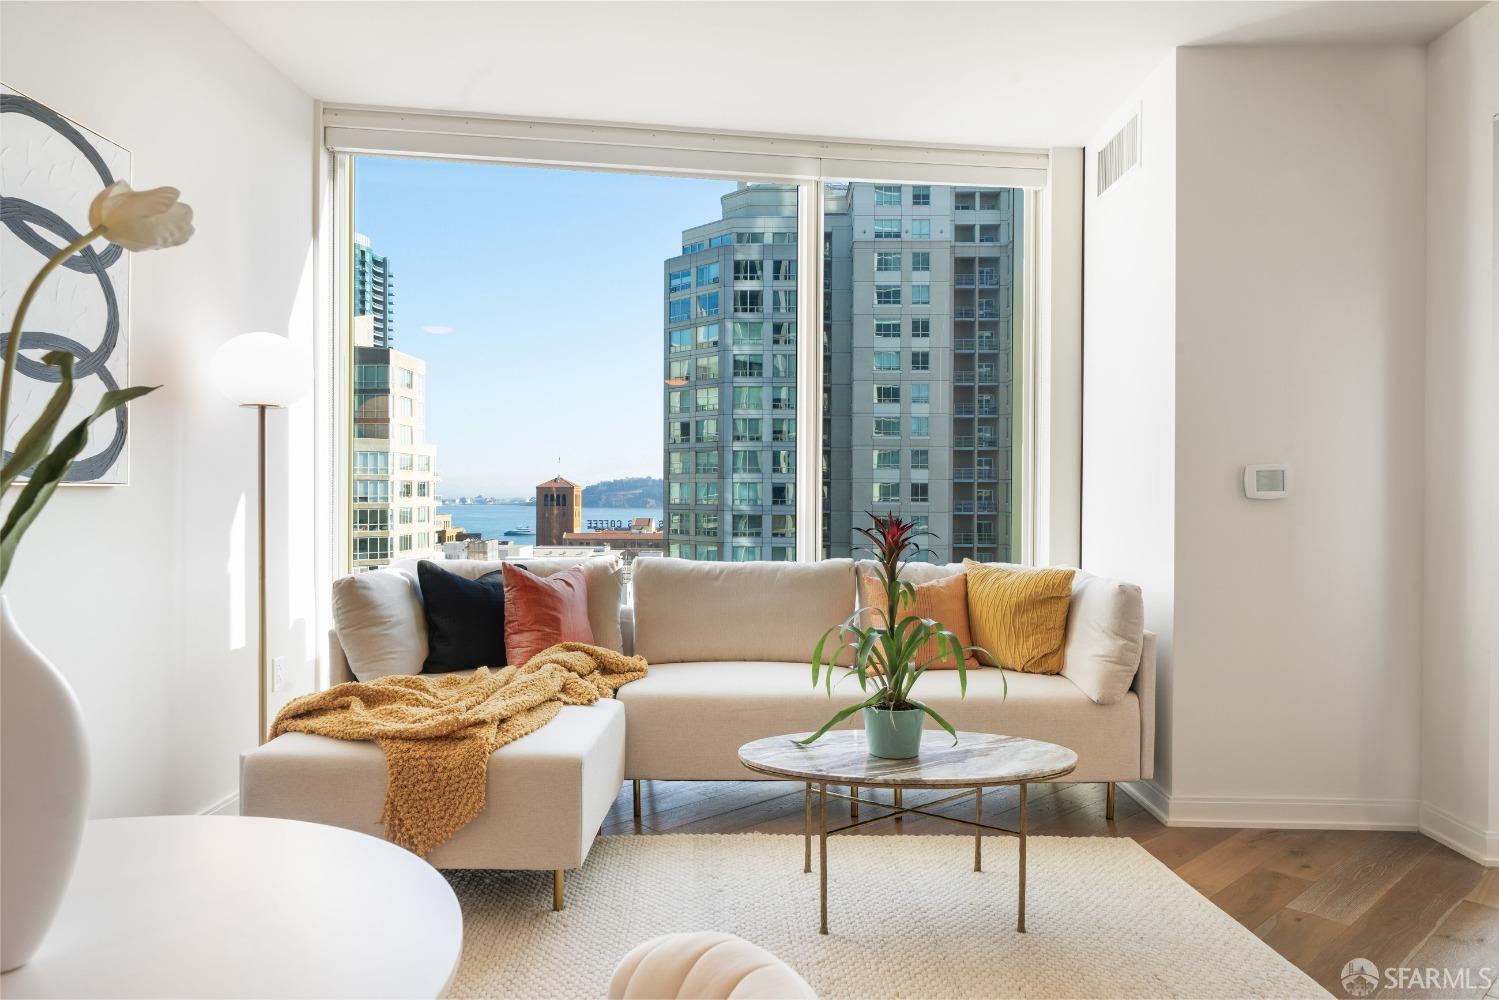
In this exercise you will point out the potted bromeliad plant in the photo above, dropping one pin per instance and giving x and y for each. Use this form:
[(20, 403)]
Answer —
[(891, 649)]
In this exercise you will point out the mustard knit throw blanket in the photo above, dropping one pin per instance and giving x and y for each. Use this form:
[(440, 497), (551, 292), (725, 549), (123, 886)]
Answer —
[(437, 732)]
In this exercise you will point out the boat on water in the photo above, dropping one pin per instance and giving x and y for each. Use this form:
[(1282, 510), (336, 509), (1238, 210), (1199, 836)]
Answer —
[(520, 532)]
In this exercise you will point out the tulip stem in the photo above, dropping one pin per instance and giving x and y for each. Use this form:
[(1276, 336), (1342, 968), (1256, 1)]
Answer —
[(13, 346)]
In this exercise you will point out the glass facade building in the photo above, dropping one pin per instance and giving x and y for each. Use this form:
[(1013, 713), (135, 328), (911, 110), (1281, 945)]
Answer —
[(374, 291), (918, 320)]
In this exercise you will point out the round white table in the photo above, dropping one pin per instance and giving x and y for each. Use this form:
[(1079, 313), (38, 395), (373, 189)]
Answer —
[(217, 906)]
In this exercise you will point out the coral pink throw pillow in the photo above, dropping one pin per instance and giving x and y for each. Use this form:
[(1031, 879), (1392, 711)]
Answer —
[(541, 611)]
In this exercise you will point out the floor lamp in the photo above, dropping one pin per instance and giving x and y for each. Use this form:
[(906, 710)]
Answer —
[(261, 371)]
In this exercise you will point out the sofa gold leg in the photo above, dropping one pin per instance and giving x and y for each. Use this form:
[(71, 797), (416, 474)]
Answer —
[(636, 783), (557, 877), (853, 807), (1108, 809)]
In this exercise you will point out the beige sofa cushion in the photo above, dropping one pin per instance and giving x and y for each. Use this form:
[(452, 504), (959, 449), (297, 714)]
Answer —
[(688, 720), (698, 611), (379, 622), (1105, 632)]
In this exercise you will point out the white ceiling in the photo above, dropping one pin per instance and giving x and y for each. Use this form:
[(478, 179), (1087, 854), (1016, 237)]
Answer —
[(1018, 73)]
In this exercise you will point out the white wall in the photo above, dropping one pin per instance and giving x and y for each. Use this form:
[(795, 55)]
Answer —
[(1129, 374), (1259, 297), (1460, 680), (1299, 330), (144, 595)]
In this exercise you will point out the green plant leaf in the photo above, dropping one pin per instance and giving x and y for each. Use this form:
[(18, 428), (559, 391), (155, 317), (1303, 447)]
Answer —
[(929, 710), (35, 442), (51, 470), (817, 654), (838, 717)]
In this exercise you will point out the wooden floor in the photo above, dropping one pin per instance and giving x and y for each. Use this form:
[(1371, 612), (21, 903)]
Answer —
[(1318, 897)]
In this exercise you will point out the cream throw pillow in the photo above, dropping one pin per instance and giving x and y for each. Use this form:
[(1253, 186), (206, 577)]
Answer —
[(379, 621), (1019, 615), (1105, 633)]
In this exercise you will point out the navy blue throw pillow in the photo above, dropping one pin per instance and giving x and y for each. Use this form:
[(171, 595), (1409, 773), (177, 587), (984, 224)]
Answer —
[(465, 619)]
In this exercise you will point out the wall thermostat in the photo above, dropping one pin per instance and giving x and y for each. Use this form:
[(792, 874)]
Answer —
[(1267, 482)]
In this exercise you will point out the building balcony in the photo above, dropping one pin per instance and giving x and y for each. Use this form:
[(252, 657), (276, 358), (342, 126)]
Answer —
[(988, 507), (964, 281), (962, 538), (963, 441), (964, 312), (963, 378), (963, 507)]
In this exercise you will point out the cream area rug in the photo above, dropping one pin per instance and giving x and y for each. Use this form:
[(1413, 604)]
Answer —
[(907, 915)]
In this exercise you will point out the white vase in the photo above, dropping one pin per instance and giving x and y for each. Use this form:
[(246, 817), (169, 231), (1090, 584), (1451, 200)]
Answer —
[(43, 791)]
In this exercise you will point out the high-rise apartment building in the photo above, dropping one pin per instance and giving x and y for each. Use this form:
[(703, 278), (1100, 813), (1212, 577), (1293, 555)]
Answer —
[(374, 291), (394, 507), (918, 313), (730, 435)]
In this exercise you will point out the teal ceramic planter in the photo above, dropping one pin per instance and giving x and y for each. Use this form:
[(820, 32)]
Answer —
[(893, 735)]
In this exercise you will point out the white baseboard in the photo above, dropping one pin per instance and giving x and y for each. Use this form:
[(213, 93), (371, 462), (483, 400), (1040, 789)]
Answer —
[(1460, 835), (1152, 797), (227, 807), (1257, 812)]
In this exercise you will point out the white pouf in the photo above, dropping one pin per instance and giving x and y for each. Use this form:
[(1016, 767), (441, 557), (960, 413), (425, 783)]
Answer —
[(704, 965)]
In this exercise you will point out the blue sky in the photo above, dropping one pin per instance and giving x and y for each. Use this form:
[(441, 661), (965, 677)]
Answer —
[(550, 283)]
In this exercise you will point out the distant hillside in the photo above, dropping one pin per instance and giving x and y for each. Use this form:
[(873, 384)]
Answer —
[(639, 491)]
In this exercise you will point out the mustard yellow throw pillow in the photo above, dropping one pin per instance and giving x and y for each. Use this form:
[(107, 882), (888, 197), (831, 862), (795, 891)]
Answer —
[(1020, 615)]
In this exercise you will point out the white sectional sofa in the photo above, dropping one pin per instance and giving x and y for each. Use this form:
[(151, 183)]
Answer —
[(728, 646)]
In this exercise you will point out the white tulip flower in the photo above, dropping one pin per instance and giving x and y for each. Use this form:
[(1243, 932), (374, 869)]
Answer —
[(141, 220)]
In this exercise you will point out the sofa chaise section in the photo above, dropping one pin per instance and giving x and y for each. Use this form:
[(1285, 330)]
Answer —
[(545, 798)]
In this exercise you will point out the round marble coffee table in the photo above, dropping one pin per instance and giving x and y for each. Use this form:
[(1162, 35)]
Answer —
[(977, 761)]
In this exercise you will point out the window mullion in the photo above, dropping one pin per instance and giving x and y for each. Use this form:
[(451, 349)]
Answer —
[(809, 372)]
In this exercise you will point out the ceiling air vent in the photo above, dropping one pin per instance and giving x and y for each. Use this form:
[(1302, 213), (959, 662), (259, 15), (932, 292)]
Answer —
[(1120, 154)]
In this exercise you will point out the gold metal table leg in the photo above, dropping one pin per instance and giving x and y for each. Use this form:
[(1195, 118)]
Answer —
[(1108, 809), (898, 804), (807, 828), (636, 783), (822, 848), (978, 833), (1022, 858), (853, 807)]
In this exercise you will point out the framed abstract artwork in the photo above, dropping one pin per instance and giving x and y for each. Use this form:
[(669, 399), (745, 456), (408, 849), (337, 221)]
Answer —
[(50, 170)]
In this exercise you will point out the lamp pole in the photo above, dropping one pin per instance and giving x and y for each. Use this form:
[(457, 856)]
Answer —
[(261, 371), (260, 508), (261, 602)]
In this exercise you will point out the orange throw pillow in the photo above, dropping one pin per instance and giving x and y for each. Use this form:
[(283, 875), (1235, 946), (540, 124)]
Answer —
[(945, 601), (541, 611)]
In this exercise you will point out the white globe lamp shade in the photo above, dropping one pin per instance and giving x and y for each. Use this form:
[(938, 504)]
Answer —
[(261, 369)]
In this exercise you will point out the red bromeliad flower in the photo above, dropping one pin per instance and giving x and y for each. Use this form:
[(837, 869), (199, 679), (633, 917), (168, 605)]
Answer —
[(891, 539)]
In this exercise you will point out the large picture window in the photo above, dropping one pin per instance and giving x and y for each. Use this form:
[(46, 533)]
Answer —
[(531, 391)]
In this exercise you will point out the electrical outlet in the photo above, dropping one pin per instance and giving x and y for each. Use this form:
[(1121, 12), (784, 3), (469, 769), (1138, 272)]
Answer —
[(278, 673)]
